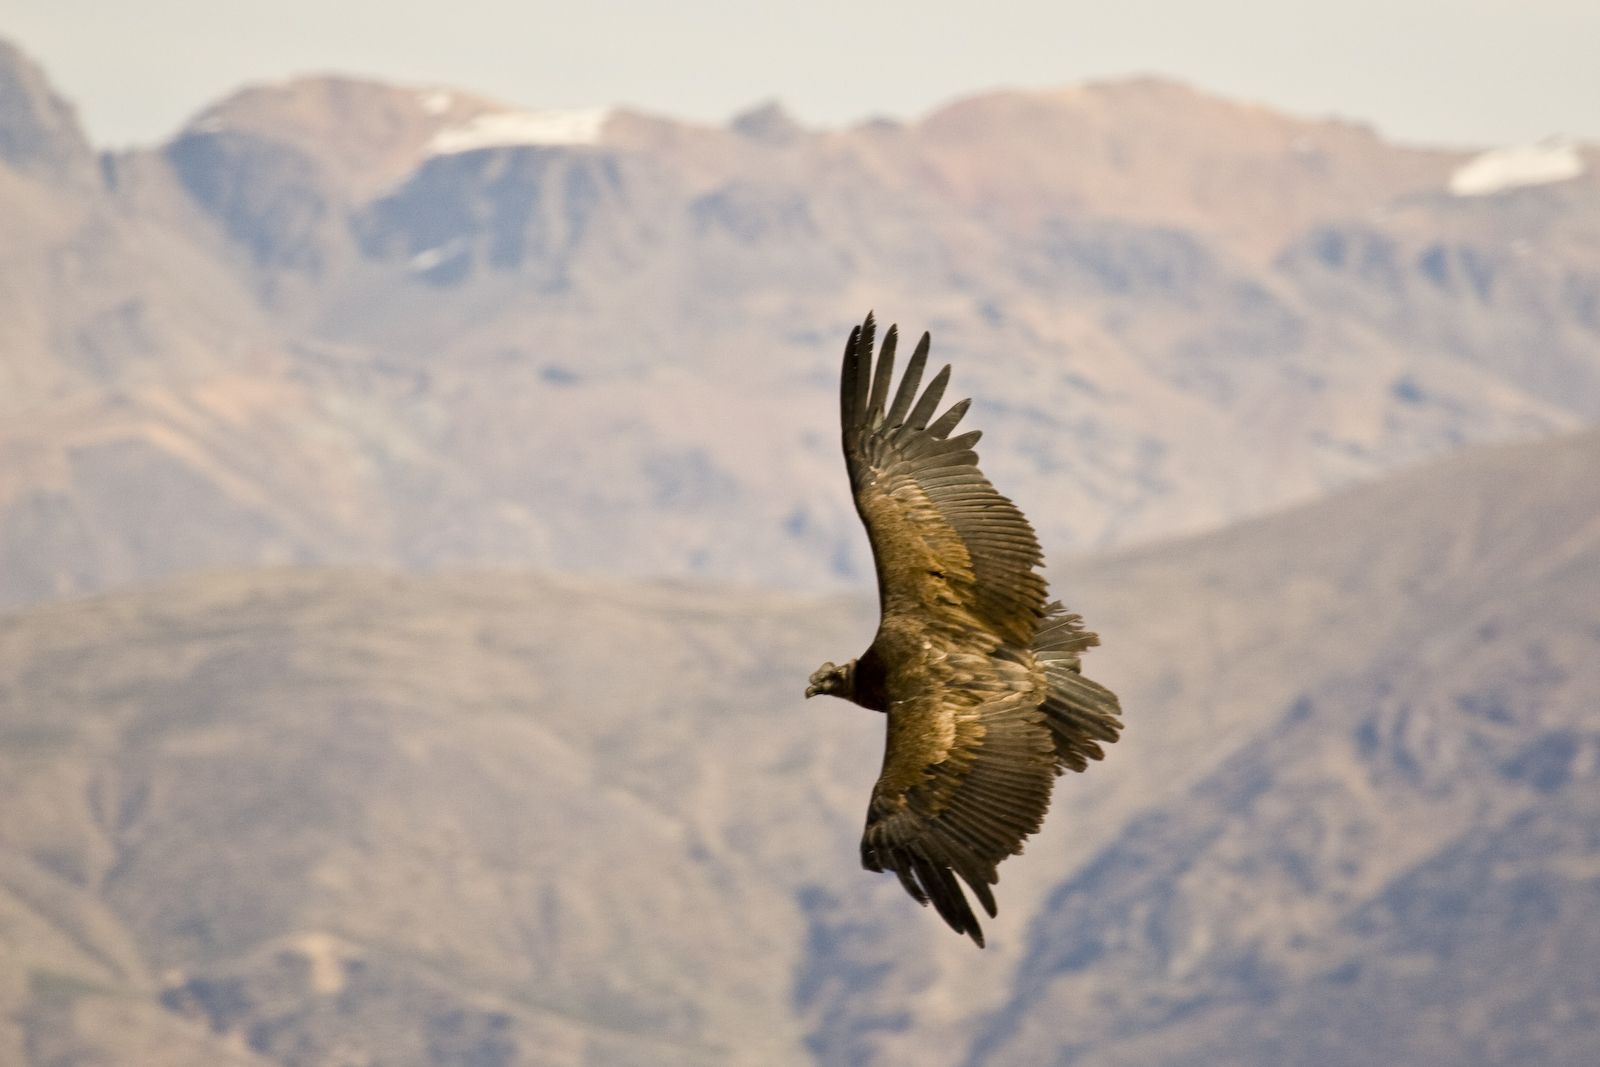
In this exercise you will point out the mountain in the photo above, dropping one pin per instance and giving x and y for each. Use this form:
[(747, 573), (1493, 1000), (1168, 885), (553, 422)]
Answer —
[(1399, 864), (39, 131), (338, 322), (300, 816)]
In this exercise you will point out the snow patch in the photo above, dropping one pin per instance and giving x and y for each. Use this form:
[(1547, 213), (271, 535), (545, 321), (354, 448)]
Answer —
[(435, 101), (496, 128), (429, 258), (1510, 168)]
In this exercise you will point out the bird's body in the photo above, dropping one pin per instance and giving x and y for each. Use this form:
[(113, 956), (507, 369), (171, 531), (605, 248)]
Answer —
[(977, 673)]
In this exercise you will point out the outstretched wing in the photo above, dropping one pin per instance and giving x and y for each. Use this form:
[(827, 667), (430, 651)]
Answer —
[(946, 544), (967, 772)]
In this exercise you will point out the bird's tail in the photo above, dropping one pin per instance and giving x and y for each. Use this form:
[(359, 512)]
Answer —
[(1081, 713)]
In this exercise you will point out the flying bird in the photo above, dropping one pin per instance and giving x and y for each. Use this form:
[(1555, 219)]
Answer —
[(977, 671)]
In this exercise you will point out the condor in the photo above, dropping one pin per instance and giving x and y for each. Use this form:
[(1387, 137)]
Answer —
[(977, 672)]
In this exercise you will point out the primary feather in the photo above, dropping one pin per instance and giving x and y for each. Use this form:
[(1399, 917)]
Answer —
[(979, 675)]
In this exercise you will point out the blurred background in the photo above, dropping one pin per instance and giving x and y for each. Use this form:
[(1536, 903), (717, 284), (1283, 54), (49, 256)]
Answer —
[(420, 509)]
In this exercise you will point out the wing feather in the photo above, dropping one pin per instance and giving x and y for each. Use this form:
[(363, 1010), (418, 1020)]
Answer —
[(909, 383), (1080, 712), (885, 370), (942, 426), (929, 401)]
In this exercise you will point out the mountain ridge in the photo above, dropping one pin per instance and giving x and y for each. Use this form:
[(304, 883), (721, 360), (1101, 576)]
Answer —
[(328, 343)]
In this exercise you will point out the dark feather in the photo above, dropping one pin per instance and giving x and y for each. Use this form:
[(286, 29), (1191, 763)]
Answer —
[(909, 383), (929, 401), (885, 369)]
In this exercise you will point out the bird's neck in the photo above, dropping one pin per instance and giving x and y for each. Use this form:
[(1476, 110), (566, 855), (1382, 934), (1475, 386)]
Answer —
[(864, 682)]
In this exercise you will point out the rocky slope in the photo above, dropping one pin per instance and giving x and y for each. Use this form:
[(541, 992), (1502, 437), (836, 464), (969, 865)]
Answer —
[(293, 817)]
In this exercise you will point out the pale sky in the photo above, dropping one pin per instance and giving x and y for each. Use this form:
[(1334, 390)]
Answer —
[(1460, 72)]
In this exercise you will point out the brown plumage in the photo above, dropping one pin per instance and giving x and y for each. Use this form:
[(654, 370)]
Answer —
[(979, 675)]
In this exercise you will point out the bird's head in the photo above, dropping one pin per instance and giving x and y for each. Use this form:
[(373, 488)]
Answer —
[(829, 679)]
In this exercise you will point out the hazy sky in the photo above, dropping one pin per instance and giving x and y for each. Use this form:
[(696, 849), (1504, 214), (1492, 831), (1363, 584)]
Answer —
[(1443, 71)]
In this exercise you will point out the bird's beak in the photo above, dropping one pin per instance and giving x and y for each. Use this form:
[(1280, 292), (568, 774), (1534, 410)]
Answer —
[(811, 691)]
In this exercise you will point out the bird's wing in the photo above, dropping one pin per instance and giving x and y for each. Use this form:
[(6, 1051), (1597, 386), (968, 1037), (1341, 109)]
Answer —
[(947, 545), (967, 772)]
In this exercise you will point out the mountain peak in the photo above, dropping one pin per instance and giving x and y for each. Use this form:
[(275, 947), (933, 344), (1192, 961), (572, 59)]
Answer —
[(370, 132), (39, 130), (770, 123)]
